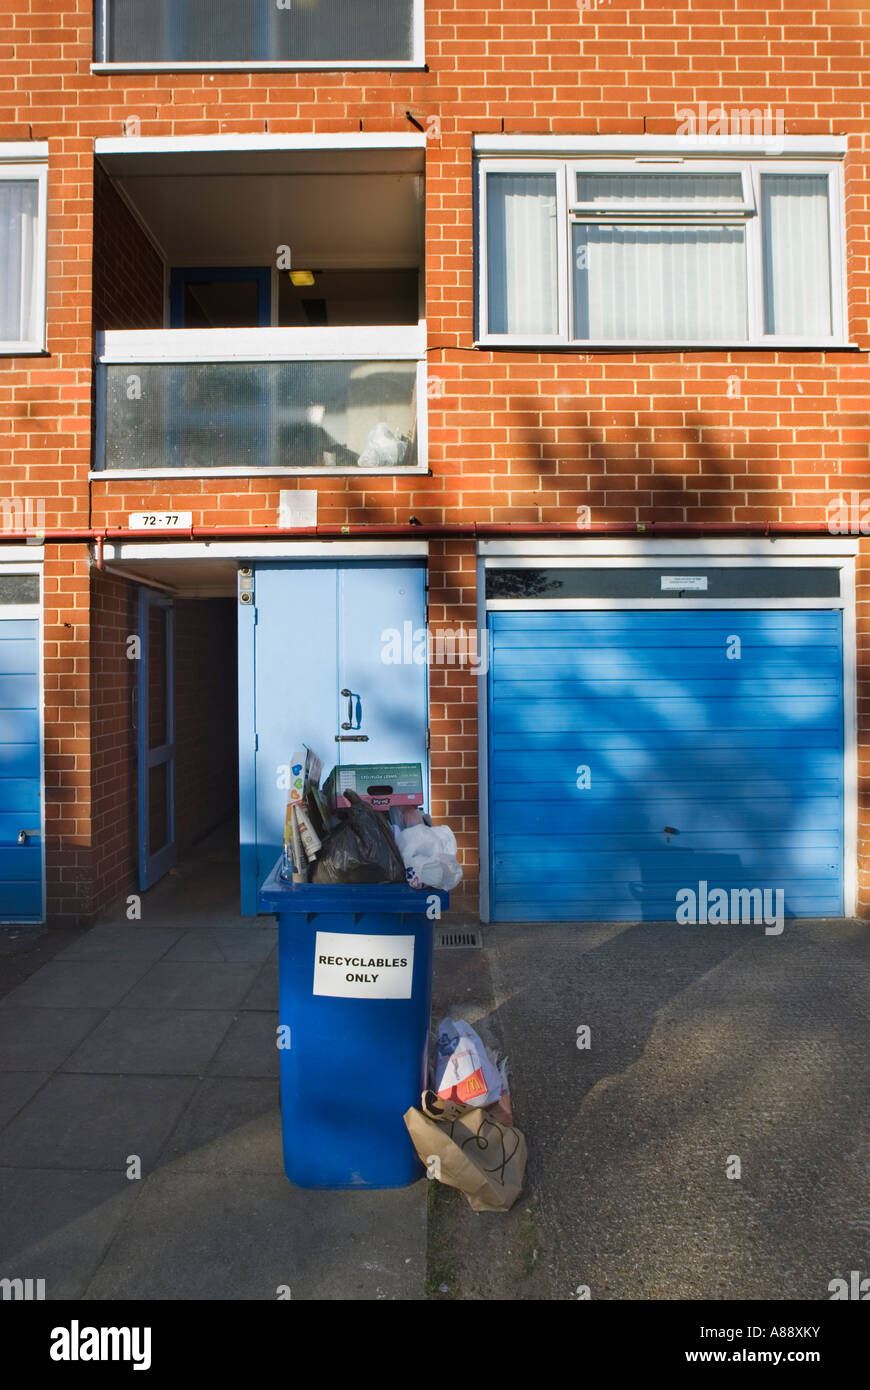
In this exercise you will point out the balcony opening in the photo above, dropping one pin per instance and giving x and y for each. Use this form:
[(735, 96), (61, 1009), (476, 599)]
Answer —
[(260, 310)]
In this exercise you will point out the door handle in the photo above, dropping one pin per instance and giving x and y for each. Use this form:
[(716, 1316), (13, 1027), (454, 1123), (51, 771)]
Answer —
[(24, 835), (350, 696)]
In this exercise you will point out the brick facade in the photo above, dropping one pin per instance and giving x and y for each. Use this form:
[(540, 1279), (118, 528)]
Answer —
[(516, 436)]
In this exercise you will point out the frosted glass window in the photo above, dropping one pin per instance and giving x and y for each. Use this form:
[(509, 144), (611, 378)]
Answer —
[(797, 263), (305, 414), (659, 283), (19, 225), (522, 278), (240, 31)]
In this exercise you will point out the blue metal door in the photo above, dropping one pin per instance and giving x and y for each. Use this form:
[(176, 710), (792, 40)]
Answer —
[(20, 812), (156, 736), (635, 754), (317, 652)]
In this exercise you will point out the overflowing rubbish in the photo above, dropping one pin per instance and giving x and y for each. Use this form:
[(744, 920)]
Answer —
[(360, 850), (380, 784), (365, 825), (463, 1069), (464, 1130), (305, 820), (429, 854), (470, 1149)]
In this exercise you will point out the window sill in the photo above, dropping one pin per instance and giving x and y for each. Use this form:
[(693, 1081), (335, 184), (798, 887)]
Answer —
[(127, 474), (780, 345), (273, 65)]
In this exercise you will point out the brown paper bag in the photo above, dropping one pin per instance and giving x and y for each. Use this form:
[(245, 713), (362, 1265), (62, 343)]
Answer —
[(465, 1147)]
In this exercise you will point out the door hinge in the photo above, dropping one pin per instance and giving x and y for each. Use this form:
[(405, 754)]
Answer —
[(256, 743), (428, 738)]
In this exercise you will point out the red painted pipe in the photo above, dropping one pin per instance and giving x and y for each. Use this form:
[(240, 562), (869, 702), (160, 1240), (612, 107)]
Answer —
[(445, 530)]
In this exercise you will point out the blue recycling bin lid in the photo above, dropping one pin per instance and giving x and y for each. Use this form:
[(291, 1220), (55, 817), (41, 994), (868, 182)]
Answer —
[(277, 895)]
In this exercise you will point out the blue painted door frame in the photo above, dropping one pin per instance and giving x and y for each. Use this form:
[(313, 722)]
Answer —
[(181, 276), (155, 860), (315, 629)]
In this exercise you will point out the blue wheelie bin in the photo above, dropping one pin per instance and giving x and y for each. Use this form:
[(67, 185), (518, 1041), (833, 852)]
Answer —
[(355, 992)]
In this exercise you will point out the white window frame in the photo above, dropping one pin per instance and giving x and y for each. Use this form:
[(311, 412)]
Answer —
[(751, 167), (662, 210), (22, 163), (417, 59)]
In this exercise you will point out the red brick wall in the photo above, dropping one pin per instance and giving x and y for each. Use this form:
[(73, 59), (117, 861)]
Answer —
[(453, 693), (206, 716), (517, 436), (69, 779), (128, 271)]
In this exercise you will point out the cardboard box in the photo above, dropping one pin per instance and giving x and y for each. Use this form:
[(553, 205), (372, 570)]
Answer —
[(380, 784)]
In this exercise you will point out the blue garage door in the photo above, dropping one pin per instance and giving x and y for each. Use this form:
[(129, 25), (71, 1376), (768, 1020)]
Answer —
[(20, 836), (634, 754)]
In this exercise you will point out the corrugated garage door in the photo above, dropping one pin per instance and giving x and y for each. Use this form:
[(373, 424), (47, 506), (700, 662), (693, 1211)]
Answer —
[(631, 756), (20, 831)]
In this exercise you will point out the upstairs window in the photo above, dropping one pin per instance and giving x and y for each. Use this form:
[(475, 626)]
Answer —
[(22, 256), (260, 33), (641, 253)]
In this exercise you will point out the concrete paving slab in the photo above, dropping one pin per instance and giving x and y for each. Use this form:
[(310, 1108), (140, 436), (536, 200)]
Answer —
[(122, 941), (57, 1226), (34, 1039), (156, 1042), (232, 1125), (72, 984), (263, 993), (250, 1047), (210, 1236), (16, 1089), (192, 985), (224, 944), (95, 1122)]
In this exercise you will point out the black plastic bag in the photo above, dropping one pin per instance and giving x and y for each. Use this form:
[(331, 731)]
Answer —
[(361, 849)]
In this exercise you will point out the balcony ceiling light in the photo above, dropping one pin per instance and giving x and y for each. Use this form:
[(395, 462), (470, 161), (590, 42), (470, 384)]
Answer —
[(302, 277)]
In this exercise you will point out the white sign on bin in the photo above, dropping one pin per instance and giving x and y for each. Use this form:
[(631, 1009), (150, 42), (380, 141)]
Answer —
[(363, 967)]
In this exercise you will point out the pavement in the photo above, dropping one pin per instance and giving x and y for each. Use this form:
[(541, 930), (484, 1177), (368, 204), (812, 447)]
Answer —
[(711, 1140), (154, 1040)]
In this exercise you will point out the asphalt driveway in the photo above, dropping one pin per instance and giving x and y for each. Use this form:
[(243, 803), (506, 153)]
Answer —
[(712, 1139)]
